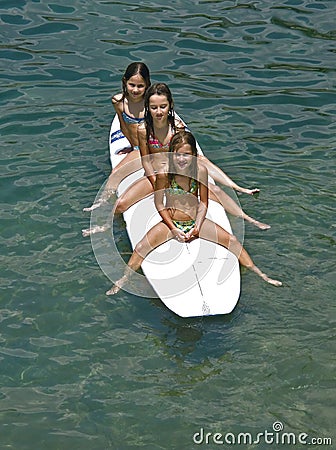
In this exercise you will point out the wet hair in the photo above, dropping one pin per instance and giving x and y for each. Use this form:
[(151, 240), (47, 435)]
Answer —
[(158, 89), (178, 140), (135, 68)]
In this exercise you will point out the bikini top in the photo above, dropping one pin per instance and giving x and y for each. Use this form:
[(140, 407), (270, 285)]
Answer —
[(176, 189), (129, 119), (155, 143)]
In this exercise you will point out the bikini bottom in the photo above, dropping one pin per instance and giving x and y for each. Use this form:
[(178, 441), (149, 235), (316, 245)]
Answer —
[(184, 225)]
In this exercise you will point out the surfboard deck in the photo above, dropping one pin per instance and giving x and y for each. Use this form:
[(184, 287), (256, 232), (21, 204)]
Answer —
[(193, 279)]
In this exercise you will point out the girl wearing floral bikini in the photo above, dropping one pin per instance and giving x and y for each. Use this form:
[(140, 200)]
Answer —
[(181, 198)]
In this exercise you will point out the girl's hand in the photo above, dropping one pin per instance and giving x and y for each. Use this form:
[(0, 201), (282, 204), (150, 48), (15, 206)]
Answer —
[(192, 234), (179, 235)]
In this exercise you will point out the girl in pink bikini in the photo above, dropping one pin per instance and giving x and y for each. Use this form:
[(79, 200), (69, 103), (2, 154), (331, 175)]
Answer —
[(154, 134)]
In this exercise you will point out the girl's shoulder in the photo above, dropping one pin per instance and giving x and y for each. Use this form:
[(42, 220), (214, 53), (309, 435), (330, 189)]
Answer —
[(179, 125), (117, 98)]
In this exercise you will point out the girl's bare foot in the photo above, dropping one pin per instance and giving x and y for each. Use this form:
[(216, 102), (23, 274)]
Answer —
[(117, 286), (104, 199), (93, 206), (270, 280), (274, 282), (262, 226), (265, 277), (251, 191), (94, 230), (113, 290)]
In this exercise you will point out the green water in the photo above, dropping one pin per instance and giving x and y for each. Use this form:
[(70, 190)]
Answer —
[(256, 83)]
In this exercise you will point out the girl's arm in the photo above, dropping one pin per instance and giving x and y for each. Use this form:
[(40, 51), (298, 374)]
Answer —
[(145, 155), (203, 203), (161, 184), (118, 106), (203, 197), (218, 175)]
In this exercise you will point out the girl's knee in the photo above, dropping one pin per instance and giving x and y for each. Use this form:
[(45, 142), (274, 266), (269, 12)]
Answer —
[(138, 247), (233, 241), (214, 193), (233, 238), (141, 249), (120, 206)]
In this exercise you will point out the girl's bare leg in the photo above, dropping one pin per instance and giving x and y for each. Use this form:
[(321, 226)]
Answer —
[(130, 164), (218, 175), (213, 232), (231, 206), (156, 236), (136, 192)]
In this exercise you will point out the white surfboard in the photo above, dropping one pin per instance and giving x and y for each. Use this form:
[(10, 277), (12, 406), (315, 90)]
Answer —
[(192, 279)]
